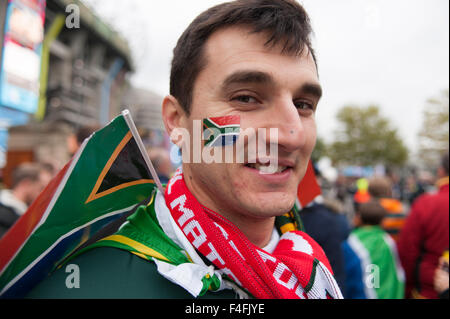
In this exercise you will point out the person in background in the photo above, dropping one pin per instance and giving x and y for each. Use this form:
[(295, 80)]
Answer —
[(28, 180), (327, 225), (396, 184), (77, 138), (362, 194), (380, 188), (441, 280), (424, 237), (414, 187), (160, 158), (373, 269)]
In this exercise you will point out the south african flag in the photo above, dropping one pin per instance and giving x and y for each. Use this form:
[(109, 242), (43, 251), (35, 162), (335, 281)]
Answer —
[(107, 177), (221, 131)]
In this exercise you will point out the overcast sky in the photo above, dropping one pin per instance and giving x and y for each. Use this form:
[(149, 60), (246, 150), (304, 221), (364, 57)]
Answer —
[(393, 53)]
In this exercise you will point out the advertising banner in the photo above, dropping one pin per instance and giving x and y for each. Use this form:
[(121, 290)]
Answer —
[(21, 58)]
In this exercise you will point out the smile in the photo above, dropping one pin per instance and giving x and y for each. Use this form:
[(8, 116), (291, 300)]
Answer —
[(268, 168)]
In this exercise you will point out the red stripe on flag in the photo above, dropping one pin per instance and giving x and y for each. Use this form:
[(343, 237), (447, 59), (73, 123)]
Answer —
[(308, 189), (226, 120), (13, 240)]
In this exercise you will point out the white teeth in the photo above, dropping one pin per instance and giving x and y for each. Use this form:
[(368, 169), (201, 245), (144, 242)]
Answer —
[(281, 169), (268, 169)]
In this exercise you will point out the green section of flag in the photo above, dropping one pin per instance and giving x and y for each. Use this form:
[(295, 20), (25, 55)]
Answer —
[(142, 234), (70, 211)]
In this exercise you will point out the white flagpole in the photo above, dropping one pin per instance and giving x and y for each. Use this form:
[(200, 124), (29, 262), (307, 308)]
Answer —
[(127, 116)]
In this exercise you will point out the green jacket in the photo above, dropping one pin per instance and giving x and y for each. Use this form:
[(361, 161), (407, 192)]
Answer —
[(123, 265), (110, 273), (381, 270)]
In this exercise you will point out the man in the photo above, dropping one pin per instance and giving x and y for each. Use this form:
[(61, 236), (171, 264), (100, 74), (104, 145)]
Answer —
[(160, 158), (372, 264), (326, 223), (424, 237), (441, 279), (28, 180), (212, 233), (76, 138), (380, 188)]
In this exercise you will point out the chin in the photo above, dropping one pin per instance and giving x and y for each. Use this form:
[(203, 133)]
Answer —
[(270, 204)]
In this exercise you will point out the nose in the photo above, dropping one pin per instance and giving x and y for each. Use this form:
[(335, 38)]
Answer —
[(288, 124)]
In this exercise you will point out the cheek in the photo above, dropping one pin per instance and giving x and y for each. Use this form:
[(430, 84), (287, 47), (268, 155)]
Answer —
[(310, 130), (213, 176), (239, 183)]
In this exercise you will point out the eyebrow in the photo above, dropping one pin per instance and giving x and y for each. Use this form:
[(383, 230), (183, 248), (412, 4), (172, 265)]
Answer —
[(258, 77), (312, 89), (242, 77)]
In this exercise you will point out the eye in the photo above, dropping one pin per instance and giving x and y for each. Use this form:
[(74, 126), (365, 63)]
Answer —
[(302, 105), (245, 99), (305, 108)]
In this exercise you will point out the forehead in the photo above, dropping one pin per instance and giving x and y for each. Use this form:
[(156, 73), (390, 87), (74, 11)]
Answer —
[(234, 48)]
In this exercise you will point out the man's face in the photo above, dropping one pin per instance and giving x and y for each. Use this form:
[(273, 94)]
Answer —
[(36, 187), (266, 89)]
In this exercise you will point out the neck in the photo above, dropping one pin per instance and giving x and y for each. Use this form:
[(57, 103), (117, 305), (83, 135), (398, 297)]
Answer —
[(257, 230)]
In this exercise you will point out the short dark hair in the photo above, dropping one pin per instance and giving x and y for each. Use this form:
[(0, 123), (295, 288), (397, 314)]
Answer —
[(380, 187), (25, 171), (444, 162), (84, 132), (284, 20), (371, 213)]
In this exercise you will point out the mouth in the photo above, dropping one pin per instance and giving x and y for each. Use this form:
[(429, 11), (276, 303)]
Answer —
[(270, 166)]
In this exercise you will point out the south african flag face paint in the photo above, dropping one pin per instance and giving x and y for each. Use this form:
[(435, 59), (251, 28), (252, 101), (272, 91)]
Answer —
[(221, 131)]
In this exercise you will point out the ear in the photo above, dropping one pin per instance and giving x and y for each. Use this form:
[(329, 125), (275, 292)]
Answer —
[(357, 220), (72, 144), (174, 117)]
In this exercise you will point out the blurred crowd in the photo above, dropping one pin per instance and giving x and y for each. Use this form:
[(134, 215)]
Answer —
[(386, 236)]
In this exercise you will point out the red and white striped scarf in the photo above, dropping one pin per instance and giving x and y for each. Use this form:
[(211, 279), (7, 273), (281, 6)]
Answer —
[(297, 268)]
